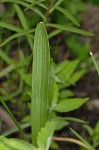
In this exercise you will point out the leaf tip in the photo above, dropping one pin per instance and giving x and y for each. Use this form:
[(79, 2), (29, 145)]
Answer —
[(91, 53)]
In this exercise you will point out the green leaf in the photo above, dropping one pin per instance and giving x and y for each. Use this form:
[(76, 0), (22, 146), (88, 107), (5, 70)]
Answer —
[(95, 136), (40, 80), (60, 122), (4, 145), (67, 70), (58, 2), (88, 145), (21, 145), (14, 66), (24, 22), (27, 78), (65, 94), (7, 70), (73, 78), (77, 75), (14, 144), (54, 33), (59, 67), (68, 15), (43, 6), (75, 120), (15, 129), (53, 94), (70, 104), (27, 5), (95, 63), (34, 3), (80, 49), (70, 29), (44, 136), (13, 118), (10, 27), (97, 127), (21, 17), (5, 57), (89, 129), (16, 35)]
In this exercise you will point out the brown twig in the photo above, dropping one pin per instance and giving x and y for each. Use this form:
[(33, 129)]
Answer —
[(48, 11), (78, 142)]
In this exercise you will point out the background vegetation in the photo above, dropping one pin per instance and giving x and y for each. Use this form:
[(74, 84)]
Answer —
[(70, 61)]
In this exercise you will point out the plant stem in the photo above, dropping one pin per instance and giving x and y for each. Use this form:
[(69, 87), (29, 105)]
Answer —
[(13, 118), (78, 142), (48, 11)]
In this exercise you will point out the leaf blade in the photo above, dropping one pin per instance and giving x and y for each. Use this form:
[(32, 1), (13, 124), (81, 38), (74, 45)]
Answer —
[(40, 80), (68, 15), (70, 29), (70, 104)]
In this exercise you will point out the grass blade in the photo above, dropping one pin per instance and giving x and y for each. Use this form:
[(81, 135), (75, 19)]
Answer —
[(68, 15), (70, 29), (22, 17), (58, 2), (35, 3), (24, 22), (88, 145), (54, 33), (5, 57), (13, 118), (10, 26), (95, 63), (27, 5), (14, 130), (16, 35)]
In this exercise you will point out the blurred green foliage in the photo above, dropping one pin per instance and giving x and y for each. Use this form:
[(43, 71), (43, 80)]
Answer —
[(17, 34)]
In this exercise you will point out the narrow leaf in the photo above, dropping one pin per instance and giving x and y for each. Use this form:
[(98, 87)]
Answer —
[(58, 2), (68, 15), (40, 80), (27, 5), (13, 118), (95, 63), (88, 145), (24, 22), (59, 67), (16, 35), (70, 29), (15, 129), (34, 3), (73, 78), (67, 69), (10, 26)]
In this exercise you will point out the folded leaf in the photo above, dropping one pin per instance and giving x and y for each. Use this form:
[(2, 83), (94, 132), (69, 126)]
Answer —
[(40, 80)]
